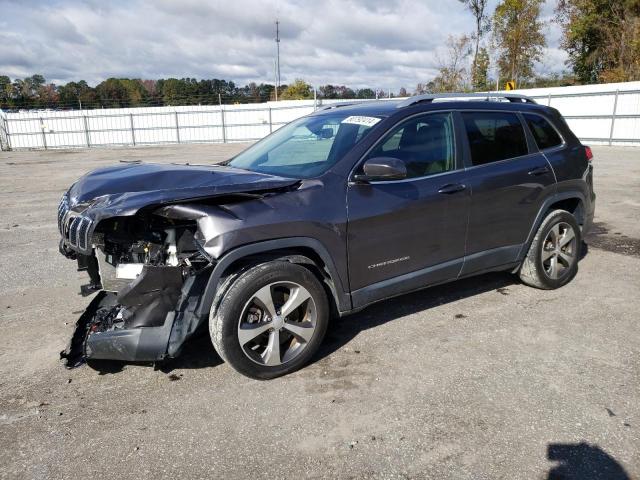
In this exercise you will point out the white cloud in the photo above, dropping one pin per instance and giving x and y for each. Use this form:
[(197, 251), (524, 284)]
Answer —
[(376, 43)]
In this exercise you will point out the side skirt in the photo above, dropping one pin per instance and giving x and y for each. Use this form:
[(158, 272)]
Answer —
[(497, 259)]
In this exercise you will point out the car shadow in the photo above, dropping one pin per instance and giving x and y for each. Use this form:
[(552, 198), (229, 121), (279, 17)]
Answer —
[(199, 353), (342, 330), (581, 461)]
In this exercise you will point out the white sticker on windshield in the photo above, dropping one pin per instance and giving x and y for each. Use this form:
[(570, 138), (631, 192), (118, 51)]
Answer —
[(361, 120)]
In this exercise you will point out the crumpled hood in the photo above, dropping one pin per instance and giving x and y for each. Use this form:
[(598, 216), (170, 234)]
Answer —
[(124, 189)]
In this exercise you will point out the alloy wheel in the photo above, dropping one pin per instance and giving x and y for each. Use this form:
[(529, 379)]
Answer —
[(559, 250), (277, 323)]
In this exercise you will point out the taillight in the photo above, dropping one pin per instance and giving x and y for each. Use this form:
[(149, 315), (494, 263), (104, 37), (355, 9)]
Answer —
[(589, 153)]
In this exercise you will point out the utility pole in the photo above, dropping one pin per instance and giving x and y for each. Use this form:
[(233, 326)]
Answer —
[(275, 74), (277, 57)]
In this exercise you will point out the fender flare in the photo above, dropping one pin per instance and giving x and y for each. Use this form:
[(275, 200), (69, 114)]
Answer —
[(557, 197), (341, 296)]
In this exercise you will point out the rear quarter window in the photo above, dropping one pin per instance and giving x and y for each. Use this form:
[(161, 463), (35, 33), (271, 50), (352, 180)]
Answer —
[(494, 136), (543, 132)]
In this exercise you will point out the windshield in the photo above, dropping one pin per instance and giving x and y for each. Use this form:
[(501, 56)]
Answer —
[(306, 147)]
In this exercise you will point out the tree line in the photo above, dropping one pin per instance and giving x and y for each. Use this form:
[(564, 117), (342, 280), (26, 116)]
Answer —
[(601, 38), (36, 92)]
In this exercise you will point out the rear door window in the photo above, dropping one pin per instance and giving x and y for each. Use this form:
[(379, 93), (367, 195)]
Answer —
[(543, 132), (494, 136)]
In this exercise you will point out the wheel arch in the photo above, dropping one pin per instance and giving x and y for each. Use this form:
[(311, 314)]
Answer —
[(571, 201), (304, 251)]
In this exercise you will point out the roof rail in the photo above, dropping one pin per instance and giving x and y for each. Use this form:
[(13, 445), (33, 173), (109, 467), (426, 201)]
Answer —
[(336, 105), (485, 97)]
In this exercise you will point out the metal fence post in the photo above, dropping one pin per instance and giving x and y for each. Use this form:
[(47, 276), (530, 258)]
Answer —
[(549, 100), (270, 122), (44, 135), (177, 126), (133, 133), (6, 133), (613, 117), (224, 128), (86, 131)]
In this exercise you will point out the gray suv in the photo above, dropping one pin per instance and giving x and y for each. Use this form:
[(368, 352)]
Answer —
[(335, 211)]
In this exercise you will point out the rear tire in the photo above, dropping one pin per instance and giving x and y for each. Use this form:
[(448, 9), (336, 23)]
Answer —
[(552, 259), (271, 321)]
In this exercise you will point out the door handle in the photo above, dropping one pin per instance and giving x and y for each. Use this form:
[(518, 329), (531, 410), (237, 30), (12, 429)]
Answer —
[(539, 170), (452, 188)]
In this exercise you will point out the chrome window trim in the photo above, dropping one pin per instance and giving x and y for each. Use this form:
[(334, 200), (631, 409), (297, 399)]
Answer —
[(504, 160)]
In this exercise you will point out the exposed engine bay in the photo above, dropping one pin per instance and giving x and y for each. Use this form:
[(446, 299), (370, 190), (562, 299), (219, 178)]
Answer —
[(139, 264), (148, 252)]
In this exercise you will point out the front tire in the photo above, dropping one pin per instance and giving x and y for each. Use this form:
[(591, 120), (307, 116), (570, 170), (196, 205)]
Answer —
[(271, 321), (552, 260)]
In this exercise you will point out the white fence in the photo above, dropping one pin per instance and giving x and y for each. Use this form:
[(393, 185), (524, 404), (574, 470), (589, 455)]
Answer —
[(605, 114), (598, 114), (147, 126)]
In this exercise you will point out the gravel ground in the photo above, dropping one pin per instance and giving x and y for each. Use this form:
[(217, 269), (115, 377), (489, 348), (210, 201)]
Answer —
[(480, 379)]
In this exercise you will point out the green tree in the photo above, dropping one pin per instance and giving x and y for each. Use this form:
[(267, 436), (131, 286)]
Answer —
[(518, 37), (298, 90), (336, 91), (327, 91), (112, 93), (366, 93), (602, 38), (480, 73), (345, 92), (76, 94), (136, 92), (172, 90), (5, 90)]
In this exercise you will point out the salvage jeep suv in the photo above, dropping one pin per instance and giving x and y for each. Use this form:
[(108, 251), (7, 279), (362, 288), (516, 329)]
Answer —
[(335, 211)]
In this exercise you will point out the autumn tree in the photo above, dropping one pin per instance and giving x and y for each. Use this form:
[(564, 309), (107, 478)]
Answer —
[(518, 37), (483, 24), (298, 90), (452, 72), (602, 38), (423, 88)]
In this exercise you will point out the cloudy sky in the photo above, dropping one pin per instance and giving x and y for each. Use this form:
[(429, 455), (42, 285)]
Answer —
[(374, 43)]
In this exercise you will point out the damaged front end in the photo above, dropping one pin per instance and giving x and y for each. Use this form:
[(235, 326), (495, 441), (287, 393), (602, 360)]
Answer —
[(142, 266), (145, 255)]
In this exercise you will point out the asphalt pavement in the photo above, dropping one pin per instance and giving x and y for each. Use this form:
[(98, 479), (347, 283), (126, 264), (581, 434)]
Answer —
[(484, 378)]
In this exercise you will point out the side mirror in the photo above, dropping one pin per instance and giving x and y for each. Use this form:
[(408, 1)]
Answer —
[(382, 168), (326, 133)]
